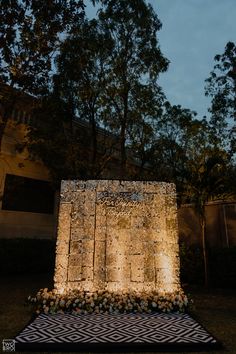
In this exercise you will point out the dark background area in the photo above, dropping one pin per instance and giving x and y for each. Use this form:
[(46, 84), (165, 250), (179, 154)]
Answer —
[(27, 194)]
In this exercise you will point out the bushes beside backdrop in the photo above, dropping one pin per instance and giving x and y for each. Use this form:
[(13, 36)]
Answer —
[(221, 266), (191, 264)]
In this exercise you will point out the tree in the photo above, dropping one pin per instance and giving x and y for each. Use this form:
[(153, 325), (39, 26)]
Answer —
[(221, 86), (206, 178), (141, 141), (172, 139), (80, 80), (106, 75), (60, 145), (132, 97), (30, 33), (185, 153), (63, 142), (71, 112)]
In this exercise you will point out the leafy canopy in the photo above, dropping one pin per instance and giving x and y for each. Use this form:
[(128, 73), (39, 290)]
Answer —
[(221, 86), (30, 32)]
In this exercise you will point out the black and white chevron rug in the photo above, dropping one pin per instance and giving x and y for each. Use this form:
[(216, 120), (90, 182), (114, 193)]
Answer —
[(114, 332)]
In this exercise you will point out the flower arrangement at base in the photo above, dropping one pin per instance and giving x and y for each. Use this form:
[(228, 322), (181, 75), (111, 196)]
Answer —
[(82, 302)]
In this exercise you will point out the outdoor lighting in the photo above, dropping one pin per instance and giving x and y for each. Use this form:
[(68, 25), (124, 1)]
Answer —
[(118, 236)]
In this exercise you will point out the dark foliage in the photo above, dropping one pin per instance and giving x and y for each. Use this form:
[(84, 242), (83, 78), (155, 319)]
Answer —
[(221, 266)]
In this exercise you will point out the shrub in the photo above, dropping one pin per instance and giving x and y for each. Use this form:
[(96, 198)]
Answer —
[(221, 266), (191, 264)]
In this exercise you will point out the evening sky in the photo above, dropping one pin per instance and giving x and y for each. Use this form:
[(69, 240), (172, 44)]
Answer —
[(193, 32)]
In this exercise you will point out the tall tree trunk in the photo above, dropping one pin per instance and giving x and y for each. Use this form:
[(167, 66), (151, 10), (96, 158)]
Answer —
[(72, 137), (94, 141), (122, 151), (204, 248), (123, 136)]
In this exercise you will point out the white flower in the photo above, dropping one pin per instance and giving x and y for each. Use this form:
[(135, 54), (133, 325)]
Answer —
[(62, 302)]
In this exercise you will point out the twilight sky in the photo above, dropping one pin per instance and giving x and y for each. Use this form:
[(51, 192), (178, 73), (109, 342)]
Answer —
[(193, 32)]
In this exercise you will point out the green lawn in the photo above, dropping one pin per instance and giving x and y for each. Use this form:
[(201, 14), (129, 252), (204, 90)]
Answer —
[(215, 309)]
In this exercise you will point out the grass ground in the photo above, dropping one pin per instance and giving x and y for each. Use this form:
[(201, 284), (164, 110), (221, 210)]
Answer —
[(215, 309)]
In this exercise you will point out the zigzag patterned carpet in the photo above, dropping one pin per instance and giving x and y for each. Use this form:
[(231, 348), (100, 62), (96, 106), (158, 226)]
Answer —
[(114, 331)]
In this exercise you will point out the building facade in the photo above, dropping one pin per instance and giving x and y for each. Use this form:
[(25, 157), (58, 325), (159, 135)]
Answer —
[(27, 201)]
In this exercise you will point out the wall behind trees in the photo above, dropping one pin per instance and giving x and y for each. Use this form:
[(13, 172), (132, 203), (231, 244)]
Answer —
[(20, 214), (220, 225)]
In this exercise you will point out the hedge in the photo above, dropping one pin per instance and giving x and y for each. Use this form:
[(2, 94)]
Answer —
[(221, 266)]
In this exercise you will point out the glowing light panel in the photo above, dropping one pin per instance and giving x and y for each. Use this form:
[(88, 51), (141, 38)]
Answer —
[(117, 236)]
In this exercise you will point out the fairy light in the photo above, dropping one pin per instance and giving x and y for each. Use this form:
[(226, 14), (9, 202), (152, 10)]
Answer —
[(117, 236)]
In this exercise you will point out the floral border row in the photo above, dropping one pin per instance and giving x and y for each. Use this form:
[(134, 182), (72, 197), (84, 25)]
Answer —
[(81, 302)]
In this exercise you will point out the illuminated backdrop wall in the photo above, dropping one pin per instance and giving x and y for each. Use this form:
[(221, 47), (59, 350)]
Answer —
[(117, 236)]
